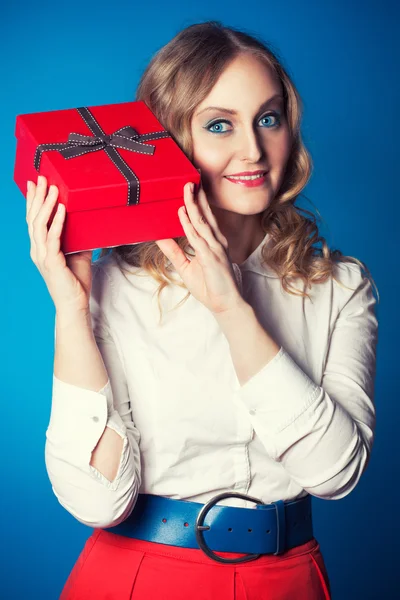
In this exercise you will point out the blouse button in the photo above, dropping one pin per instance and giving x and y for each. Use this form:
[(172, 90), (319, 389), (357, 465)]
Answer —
[(253, 411), (95, 419)]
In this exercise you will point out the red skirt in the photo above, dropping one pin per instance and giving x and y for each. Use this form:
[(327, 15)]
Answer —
[(114, 567)]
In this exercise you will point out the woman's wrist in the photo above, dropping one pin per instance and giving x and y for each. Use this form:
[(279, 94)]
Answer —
[(68, 316)]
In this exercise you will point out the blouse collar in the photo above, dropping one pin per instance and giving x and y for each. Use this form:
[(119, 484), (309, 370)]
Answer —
[(255, 263)]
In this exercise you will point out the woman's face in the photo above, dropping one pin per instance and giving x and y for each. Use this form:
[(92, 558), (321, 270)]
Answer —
[(247, 132)]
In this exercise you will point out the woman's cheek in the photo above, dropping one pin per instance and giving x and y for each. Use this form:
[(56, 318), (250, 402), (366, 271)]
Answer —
[(214, 164)]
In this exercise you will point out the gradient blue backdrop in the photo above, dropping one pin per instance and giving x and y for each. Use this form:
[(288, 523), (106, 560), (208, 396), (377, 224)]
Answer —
[(344, 58)]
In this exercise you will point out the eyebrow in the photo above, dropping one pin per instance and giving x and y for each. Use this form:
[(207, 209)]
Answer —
[(230, 111)]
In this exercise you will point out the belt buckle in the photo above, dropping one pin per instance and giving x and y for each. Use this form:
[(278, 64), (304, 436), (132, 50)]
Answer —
[(199, 528)]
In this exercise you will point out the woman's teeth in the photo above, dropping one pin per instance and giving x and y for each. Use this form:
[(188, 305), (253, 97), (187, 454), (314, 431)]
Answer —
[(246, 177)]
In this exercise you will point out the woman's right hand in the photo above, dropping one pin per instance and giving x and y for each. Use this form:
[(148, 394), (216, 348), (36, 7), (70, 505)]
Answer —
[(68, 278)]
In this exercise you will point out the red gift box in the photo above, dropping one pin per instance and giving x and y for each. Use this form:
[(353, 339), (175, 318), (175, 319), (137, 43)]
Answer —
[(119, 173)]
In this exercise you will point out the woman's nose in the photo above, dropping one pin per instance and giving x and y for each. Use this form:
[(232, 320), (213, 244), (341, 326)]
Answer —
[(250, 147)]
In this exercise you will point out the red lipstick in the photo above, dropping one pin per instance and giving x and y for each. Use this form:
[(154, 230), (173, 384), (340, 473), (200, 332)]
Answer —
[(248, 178)]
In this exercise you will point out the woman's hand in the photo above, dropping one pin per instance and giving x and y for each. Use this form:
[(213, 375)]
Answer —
[(208, 276), (68, 279)]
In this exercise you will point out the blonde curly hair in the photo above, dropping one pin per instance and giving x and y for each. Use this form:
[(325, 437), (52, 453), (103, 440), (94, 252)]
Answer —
[(179, 76)]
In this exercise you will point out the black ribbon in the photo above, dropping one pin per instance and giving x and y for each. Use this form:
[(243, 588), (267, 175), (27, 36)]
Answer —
[(126, 138)]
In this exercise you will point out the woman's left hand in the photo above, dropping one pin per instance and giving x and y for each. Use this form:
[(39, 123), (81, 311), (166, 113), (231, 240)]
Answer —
[(209, 275)]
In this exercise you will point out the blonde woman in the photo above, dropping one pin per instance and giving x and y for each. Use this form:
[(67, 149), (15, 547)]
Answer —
[(191, 428)]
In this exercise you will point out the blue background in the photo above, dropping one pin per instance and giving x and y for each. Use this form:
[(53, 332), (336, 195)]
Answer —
[(344, 58)]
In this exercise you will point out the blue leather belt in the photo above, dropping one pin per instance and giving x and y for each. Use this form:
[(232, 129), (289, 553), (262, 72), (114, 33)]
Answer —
[(263, 529)]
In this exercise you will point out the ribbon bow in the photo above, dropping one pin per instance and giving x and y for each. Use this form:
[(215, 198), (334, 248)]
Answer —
[(126, 138)]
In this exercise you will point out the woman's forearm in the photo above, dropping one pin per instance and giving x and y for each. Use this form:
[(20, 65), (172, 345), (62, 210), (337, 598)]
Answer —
[(78, 361), (251, 346)]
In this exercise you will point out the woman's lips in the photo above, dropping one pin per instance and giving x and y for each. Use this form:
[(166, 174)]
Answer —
[(249, 182)]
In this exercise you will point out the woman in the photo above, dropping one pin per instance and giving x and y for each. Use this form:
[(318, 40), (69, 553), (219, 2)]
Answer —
[(193, 447)]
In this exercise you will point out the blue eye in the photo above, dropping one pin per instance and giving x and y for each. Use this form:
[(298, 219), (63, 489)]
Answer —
[(218, 124)]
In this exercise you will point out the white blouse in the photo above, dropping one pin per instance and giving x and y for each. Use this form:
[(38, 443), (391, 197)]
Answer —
[(303, 424)]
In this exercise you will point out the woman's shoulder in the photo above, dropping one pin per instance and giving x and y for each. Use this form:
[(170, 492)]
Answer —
[(347, 282), (110, 270), (350, 279), (112, 266), (348, 273)]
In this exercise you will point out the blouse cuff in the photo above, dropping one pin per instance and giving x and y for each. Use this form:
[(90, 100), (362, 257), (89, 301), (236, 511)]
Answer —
[(278, 394), (77, 421)]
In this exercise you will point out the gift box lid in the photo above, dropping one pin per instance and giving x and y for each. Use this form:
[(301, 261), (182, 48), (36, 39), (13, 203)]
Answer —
[(159, 176)]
